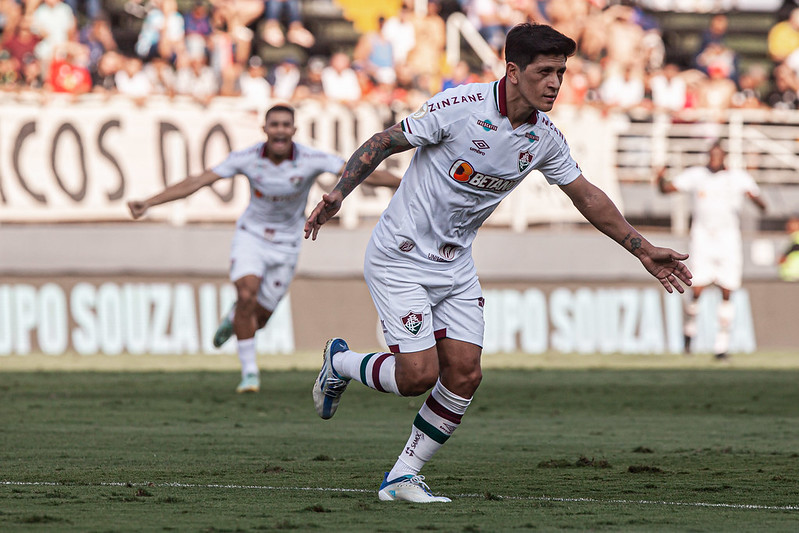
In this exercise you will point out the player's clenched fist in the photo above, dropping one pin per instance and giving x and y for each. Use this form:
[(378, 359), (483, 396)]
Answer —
[(137, 208)]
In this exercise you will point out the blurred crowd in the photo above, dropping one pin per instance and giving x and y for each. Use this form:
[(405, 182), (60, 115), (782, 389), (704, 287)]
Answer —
[(213, 48)]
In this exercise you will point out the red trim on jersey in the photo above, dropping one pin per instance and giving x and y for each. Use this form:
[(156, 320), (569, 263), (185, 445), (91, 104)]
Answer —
[(503, 102), (376, 371), (394, 348), (291, 157)]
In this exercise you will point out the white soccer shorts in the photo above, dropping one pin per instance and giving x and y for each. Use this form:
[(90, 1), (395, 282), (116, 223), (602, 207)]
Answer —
[(716, 258), (273, 263), (418, 303)]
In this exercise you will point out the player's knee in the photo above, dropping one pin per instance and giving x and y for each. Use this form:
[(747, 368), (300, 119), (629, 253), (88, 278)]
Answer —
[(246, 302), (417, 383)]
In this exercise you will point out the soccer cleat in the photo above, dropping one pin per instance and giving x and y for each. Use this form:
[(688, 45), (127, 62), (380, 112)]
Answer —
[(408, 488), (724, 356), (329, 385), (224, 331), (249, 383)]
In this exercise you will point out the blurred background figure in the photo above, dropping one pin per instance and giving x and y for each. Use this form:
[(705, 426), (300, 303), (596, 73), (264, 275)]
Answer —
[(253, 87), (196, 79), (669, 89), (132, 81), (296, 32), (789, 260), (339, 81), (284, 79), (716, 256), (55, 23), (162, 33), (68, 69), (461, 74)]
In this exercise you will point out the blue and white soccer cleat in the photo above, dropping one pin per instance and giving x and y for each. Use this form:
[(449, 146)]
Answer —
[(329, 385), (249, 383), (224, 331), (408, 488)]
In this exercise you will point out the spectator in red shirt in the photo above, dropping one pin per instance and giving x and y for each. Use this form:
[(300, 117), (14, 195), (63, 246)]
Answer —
[(21, 42), (68, 69)]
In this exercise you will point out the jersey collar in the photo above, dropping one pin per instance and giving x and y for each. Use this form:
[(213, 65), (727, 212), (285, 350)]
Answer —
[(501, 101), (291, 157)]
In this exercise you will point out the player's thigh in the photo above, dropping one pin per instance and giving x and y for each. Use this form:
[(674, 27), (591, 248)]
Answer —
[(401, 300), (279, 272), (458, 315)]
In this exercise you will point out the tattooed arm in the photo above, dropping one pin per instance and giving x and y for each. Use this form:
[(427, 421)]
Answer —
[(362, 163), (663, 263)]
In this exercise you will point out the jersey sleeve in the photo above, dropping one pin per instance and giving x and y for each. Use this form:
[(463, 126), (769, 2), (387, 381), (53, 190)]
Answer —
[(332, 163), (686, 180), (435, 118), (233, 163), (559, 168), (748, 183)]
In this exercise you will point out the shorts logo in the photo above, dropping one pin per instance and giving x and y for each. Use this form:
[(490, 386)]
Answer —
[(481, 302), (412, 322), (525, 158), (406, 246)]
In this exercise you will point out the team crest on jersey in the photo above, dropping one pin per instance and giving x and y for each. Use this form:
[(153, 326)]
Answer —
[(421, 112), (412, 322), (525, 158)]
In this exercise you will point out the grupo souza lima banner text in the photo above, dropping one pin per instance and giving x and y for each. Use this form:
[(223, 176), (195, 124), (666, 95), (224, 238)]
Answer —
[(177, 318)]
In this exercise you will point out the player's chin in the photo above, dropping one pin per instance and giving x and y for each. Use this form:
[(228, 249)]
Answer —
[(545, 103)]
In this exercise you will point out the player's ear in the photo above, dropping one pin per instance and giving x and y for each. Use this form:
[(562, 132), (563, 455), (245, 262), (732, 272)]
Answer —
[(512, 72)]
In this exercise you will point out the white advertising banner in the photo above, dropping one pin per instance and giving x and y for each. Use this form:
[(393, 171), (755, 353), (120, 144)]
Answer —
[(169, 318), (81, 161)]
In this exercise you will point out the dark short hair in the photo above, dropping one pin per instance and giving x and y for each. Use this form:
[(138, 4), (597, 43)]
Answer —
[(280, 107), (526, 41)]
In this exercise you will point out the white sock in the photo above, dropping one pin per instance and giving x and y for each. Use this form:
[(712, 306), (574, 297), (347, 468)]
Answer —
[(691, 310), (375, 370), (726, 312), (438, 418), (247, 356)]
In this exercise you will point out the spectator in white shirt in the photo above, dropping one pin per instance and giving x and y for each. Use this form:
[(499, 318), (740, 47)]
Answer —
[(339, 81), (131, 81), (668, 89), (255, 90)]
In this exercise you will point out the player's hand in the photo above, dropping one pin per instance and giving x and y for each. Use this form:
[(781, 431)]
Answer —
[(324, 211), (668, 267), (137, 208)]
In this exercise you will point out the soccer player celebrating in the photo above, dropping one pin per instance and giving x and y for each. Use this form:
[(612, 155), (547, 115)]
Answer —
[(475, 143), (716, 254), (266, 244)]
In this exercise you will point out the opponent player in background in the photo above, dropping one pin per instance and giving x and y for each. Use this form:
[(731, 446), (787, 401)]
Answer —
[(268, 234), (475, 143), (716, 254)]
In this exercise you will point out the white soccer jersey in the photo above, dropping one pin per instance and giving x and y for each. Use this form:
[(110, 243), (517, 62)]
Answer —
[(468, 159), (717, 196), (279, 193)]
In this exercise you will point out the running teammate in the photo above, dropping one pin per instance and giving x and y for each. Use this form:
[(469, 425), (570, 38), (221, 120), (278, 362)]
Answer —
[(266, 243), (716, 255), (475, 143)]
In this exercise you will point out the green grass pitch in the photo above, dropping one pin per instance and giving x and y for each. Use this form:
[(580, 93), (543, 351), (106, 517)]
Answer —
[(547, 450)]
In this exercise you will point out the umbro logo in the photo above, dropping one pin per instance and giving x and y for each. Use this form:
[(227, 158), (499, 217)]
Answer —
[(479, 146)]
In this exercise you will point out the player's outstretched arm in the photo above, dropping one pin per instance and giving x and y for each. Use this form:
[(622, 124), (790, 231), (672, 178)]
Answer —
[(363, 162), (179, 190), (663, 263), (664, 185)]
